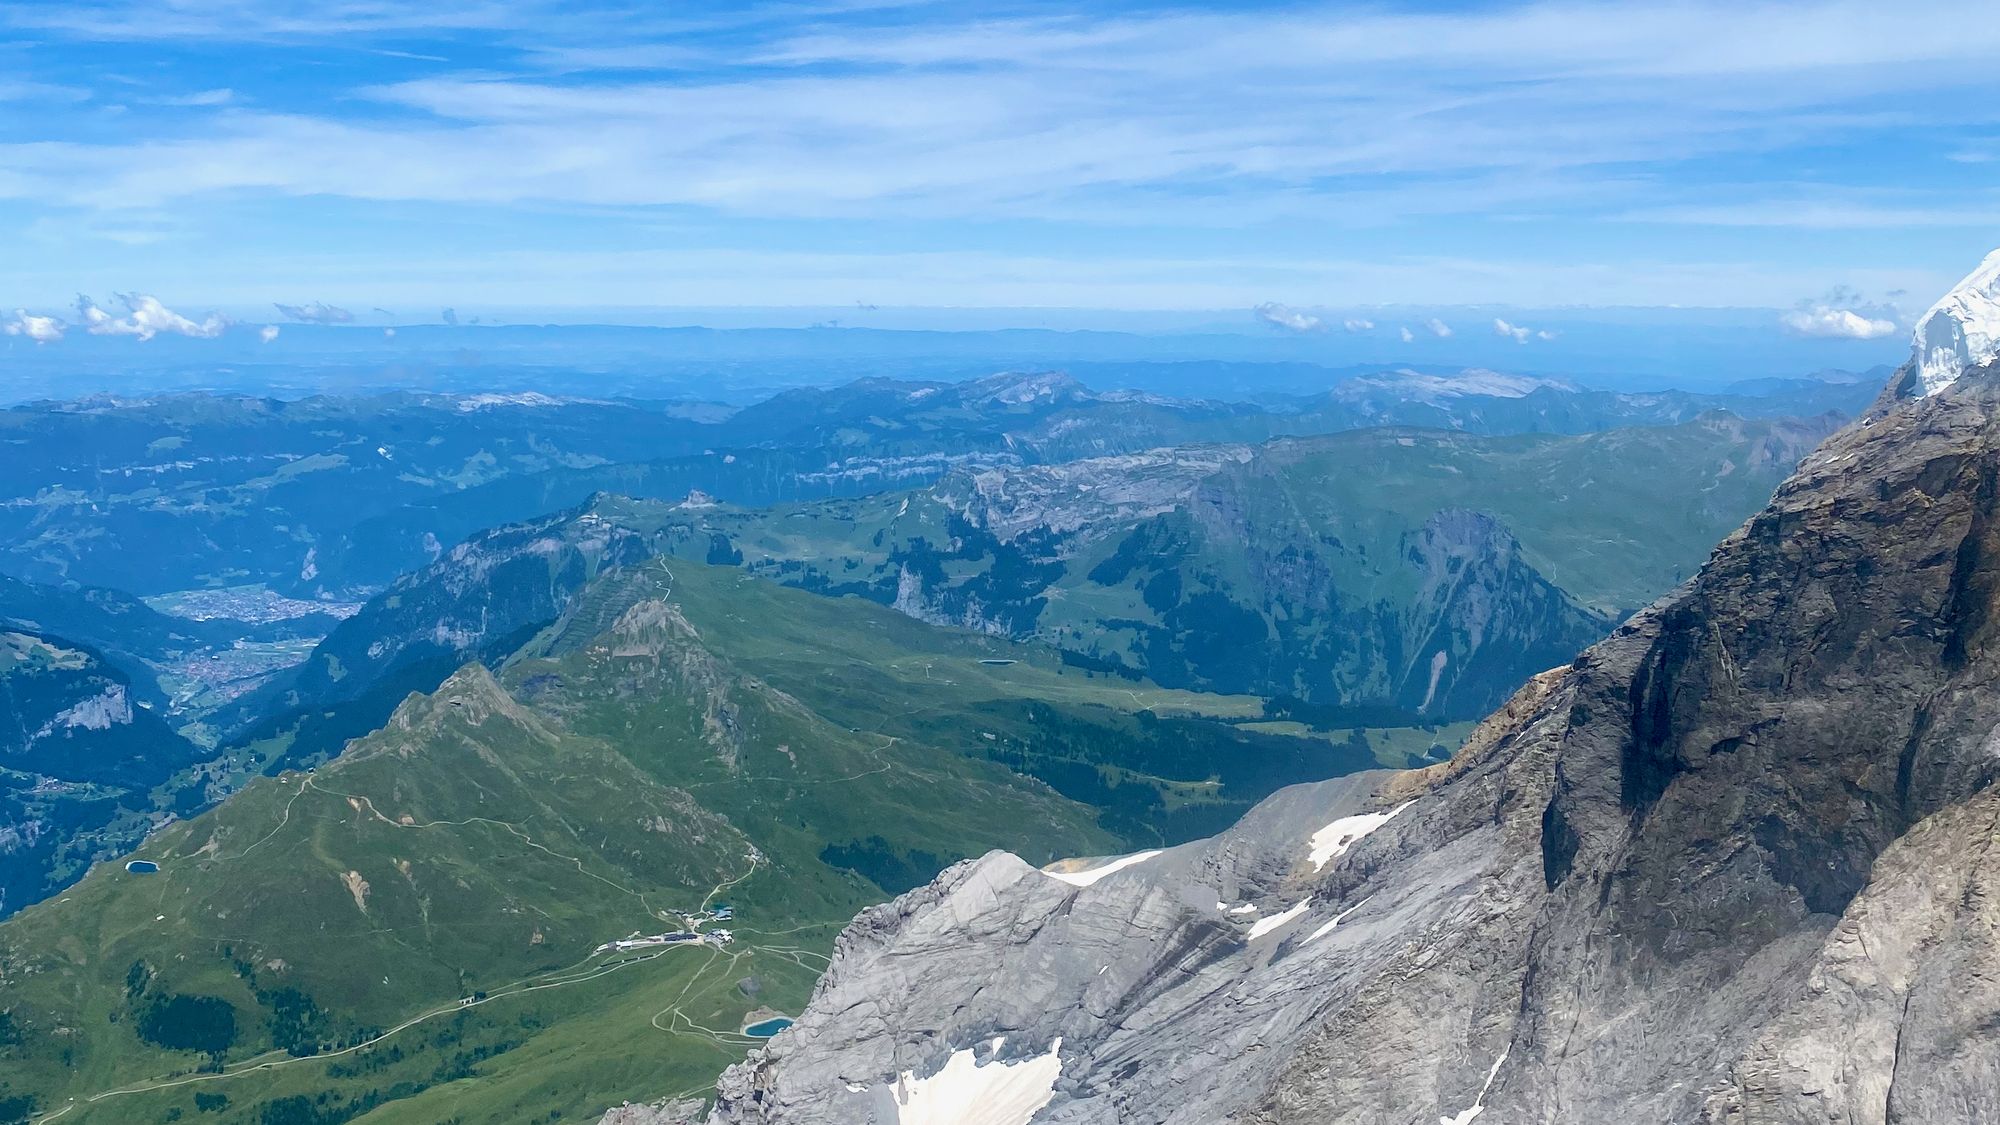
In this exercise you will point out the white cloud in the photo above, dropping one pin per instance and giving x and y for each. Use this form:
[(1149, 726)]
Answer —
[(1438, 328), (145, 317), (1843, 324), (40, 329), (268, 333), (1520, 333), (1357, 324), (1289, 319), (1409, 337), (319, 312), (1843, 314)]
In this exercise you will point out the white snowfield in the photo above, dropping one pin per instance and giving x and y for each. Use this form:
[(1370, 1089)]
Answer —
[(963, 1092), (1264, 926), (1332, 842), (1962, 330), (1086, 878)]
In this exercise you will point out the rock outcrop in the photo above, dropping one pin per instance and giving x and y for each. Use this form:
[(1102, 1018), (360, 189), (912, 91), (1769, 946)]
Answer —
[(674, 1111), (1731, 866)]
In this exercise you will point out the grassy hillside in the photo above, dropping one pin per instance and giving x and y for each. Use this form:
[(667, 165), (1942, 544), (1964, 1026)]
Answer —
[(410, 931)]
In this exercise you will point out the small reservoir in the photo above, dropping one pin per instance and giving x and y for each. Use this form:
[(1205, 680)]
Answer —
[(764, 1029), (141, 866)]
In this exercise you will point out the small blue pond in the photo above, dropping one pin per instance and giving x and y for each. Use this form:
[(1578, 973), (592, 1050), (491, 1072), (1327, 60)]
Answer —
[(764, 1029), (141, 866)]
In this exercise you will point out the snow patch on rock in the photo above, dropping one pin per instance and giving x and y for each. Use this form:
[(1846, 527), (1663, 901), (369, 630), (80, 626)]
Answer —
[(1332, 842), (1327, 926), (1264, 926), (1478, 1106), (1086, 878), (963, 1092)]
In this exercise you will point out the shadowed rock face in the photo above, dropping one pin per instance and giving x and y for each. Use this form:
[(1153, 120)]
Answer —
[(1731, 866)]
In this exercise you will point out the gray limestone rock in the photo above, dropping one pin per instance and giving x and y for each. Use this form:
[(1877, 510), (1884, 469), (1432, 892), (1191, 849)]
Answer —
[(673, 1111)]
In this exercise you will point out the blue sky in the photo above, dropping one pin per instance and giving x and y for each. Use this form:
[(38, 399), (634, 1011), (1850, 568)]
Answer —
[(1833, 161)]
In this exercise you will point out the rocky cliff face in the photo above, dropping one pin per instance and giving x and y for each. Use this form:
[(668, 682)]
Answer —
[(1732, 865), (77, 760)]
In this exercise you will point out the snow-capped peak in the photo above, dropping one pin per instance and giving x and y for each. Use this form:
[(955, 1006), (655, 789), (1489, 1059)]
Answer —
[(1960, 331)]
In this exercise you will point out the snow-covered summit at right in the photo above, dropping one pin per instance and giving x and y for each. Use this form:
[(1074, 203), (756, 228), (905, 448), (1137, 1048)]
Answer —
[(1961, 331)]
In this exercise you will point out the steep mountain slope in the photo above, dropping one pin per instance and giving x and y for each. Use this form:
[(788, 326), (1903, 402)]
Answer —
[(619, 774), (1416, 571), (671, 738), (480, 601), (1731, 865), (130, 633), (1391, 575), (1159, 765), (80, 754)]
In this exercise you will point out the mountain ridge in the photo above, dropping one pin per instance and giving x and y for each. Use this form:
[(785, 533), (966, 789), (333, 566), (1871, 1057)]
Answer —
[(1663, 883)]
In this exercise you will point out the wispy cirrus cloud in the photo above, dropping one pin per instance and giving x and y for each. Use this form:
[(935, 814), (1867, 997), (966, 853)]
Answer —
[(959, 116), (1089, 125), (18, 90), (198, 99), (318, 312)]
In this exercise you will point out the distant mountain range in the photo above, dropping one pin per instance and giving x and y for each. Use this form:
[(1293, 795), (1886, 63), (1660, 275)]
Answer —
[(1623, 349), (326, 496)]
